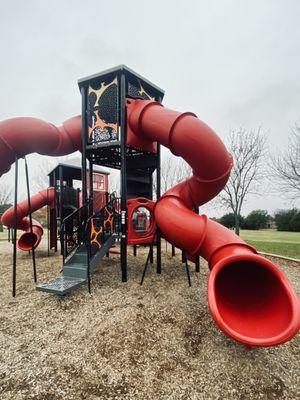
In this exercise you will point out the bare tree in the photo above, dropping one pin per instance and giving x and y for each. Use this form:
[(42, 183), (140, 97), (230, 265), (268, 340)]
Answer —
[(248, 149), (5, 193), (173, 171), (39, 178), (5, 199), (286, 166)]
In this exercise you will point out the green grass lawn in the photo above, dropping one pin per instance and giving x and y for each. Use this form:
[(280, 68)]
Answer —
[(272, 241), (266, 240)]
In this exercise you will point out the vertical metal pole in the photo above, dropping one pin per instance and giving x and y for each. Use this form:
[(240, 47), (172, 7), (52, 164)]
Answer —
[(134, 250), (123, 178), (83, 151), (15, 229), (54, 211), (30, 220), (60, 195), (197, 261), (151, 253), (48, 219), (48, 230), (62, 241), (158, 193), (188, 272), (91, 187), (145, 268), (89, 252), (83, 159), (173, 250), (197, 264)]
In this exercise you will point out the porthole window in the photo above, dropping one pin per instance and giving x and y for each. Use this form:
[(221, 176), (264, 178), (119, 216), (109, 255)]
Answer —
[(141, 221)]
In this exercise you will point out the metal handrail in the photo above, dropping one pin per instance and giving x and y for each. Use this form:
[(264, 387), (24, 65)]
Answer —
[(97, 215), (63, 231)]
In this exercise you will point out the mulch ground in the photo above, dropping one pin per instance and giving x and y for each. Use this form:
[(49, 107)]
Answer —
[(125, 341)]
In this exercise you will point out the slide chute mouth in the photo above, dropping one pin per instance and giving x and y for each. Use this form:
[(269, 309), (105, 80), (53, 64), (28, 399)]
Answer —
[(252, 301), (28, 239)]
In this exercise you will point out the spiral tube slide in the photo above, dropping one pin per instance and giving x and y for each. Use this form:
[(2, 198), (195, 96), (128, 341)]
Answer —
[(39, 200), (25, 135), (21, 136), (250, 298)]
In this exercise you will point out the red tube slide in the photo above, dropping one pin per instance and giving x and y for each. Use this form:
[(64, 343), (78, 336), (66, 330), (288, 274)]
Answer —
[(250, 298), (25, 135), (21, 136), (28, 239)]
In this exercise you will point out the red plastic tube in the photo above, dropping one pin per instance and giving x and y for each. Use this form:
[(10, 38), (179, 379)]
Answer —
[(249, 297), (21, 136), (28, 239), (25, 135)]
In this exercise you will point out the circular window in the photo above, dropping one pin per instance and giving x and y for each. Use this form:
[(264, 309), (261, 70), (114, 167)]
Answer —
[(141, 221)]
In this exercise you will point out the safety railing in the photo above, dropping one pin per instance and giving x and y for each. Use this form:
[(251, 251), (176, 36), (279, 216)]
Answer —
[(99, 227), (72, 231)]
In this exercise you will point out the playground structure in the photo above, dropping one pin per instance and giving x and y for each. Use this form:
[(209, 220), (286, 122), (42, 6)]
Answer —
[(62, 199), (123, 125)]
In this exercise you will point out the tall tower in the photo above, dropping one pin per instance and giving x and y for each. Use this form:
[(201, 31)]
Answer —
[(106, 143)]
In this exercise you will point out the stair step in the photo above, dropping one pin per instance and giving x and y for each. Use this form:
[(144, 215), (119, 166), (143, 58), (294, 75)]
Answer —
[(61, 285)]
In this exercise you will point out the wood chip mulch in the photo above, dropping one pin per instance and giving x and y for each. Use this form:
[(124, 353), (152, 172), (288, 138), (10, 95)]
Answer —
[(126, 341)]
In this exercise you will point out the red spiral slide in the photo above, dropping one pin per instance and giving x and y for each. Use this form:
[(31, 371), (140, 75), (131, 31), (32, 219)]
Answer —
[(250, 298), (21, 136)]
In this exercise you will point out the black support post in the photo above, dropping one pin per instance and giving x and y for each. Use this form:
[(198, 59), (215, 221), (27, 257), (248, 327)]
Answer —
[(123, 178), (151, 253), (146, 266), (53, 212), (158, 194), (14, 282), (30, 220), (48, 231), (83, 151), (91, 191), (60, 172), (197, 261), (173, 250), (187, 271)]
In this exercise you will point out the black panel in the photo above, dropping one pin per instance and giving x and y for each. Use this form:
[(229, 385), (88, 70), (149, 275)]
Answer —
[(139, 184), (102, 110), (140, 89)]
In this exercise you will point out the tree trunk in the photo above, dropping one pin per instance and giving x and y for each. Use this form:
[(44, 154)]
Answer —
[(237, 223)]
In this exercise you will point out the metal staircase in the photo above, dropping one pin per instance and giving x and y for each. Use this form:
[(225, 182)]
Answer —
[(84, 244)]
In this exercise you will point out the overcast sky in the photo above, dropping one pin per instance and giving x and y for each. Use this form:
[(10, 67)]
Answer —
[(233, 63)]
